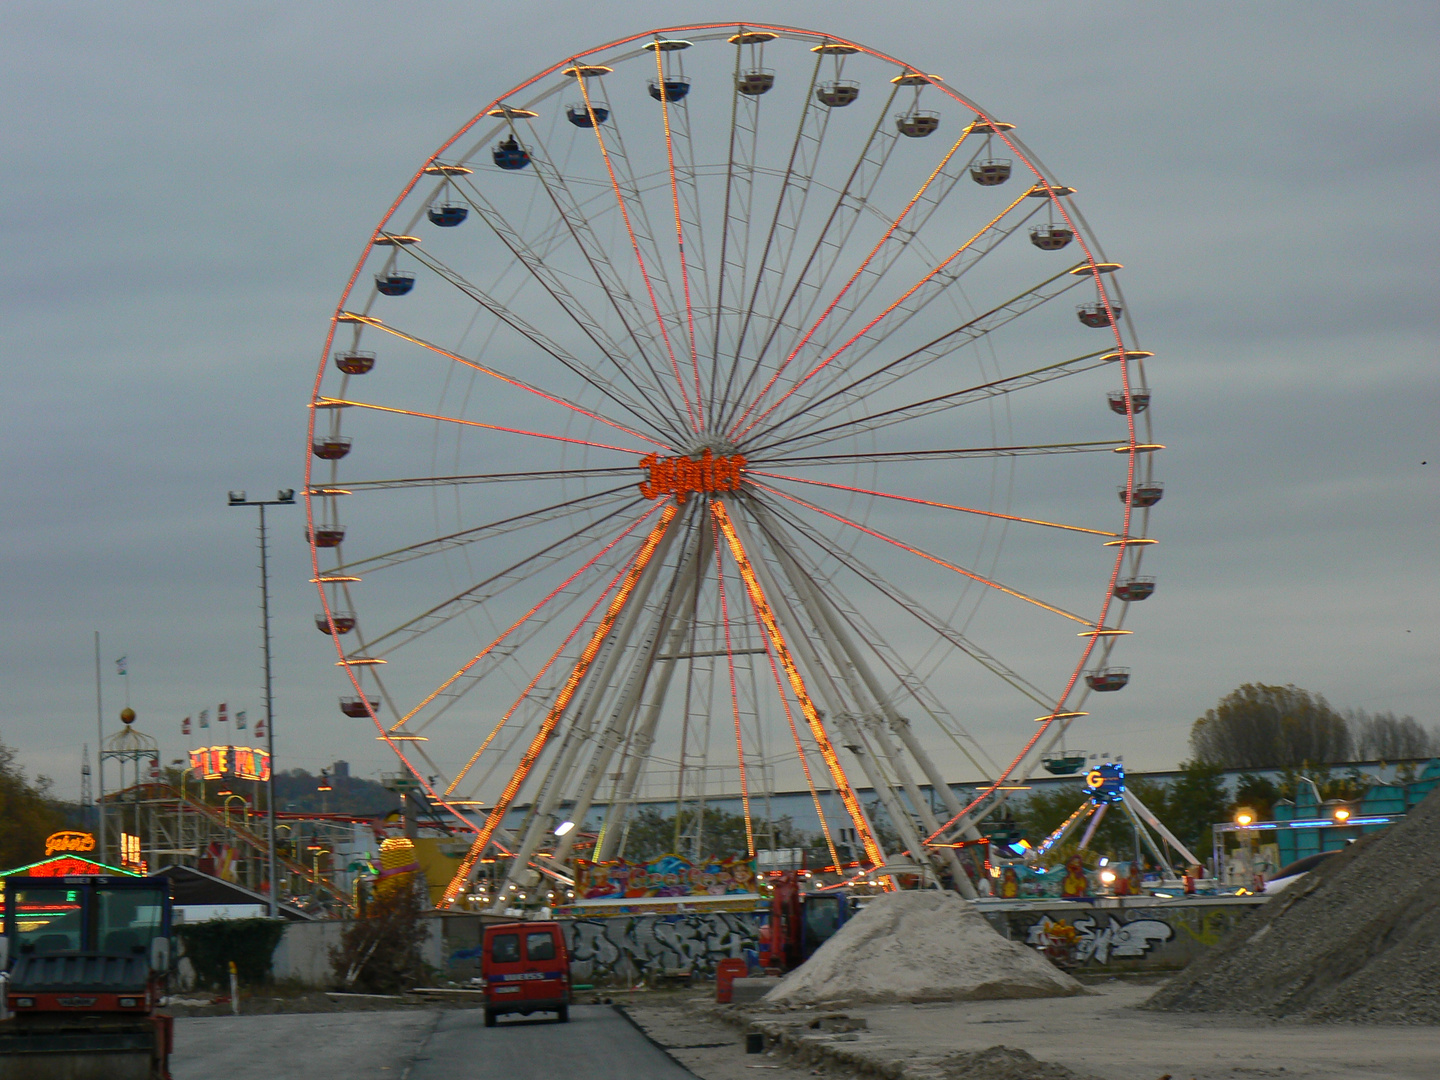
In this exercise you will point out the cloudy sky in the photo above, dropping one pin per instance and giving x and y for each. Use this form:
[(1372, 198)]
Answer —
[(185, 191)]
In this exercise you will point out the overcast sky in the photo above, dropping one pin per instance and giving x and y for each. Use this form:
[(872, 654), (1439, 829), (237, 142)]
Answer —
[(184, 190)]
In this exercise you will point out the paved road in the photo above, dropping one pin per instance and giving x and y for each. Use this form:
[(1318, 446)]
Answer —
[(598, 1044), (301, 1046), (429, 1044)]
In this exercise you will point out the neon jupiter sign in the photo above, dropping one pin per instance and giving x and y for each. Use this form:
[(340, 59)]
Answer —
[(683, 476)]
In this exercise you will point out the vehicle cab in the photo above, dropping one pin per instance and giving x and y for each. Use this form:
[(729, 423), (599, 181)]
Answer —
[(526, 969)]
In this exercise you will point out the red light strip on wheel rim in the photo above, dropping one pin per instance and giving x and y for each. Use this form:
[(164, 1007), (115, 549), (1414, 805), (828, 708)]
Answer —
[(797, 684), (562, 702)]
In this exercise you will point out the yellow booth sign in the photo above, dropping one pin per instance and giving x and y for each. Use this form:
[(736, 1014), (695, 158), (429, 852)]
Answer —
[(69, 841)]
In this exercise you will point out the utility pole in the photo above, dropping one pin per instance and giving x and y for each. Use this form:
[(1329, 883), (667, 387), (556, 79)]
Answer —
[(285, 497), (99, 749)]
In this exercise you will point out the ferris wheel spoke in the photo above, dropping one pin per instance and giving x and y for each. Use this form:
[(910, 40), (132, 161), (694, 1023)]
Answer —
[(534, 262), (811, 437), (512, 524), (499, 659), (634, 322), (935, 622), (535, 680), (751, 573), (906, 679), (528, 477), (827, 248), (740, 187), (533, 611), (562, 700), (328, 402), (679, 231), (907, 295), (521, 384), (944, 455), (532, 565), (630, 229), (849, 283), (532, 334), (978, 578), (951, 341), (931, 502)]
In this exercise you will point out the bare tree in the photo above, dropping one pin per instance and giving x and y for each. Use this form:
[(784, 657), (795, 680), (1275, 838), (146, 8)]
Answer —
[(1262, 727), (1387, 737)]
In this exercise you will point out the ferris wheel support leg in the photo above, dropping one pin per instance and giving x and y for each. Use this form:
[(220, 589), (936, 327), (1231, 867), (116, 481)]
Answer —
[(774, 605), (612, 830), (595, 678), (898, 724), (627, 701), (1133, 800), (830, 636)]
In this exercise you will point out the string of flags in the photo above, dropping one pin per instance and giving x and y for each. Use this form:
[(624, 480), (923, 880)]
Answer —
[(222, 717)]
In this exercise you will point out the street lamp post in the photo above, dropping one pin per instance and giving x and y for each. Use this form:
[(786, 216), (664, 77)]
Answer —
[(285, 497)]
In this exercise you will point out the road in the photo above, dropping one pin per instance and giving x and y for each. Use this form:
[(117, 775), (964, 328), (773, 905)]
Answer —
[(598, 1044)]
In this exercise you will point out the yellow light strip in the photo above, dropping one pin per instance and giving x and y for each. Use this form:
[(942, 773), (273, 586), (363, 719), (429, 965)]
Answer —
[(797, 684), (562, 702)]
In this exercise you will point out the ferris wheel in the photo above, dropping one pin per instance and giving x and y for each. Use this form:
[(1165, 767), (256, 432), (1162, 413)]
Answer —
[(729, 410)]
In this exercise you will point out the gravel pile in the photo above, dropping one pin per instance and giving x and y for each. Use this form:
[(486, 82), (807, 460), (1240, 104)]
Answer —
[(1001, 1063), (925, 945), (1356, 939)]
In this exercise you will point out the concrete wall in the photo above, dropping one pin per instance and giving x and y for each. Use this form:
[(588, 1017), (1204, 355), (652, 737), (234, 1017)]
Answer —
[(1134, 933), (304, 952)]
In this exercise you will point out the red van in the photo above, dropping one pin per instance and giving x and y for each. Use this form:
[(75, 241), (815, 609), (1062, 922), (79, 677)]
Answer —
[(526, 969)]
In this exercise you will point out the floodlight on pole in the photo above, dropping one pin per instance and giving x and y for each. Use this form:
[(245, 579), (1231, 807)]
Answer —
[(283, 497)]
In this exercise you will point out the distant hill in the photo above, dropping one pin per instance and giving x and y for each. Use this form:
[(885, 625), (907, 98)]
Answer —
[(295, 789)]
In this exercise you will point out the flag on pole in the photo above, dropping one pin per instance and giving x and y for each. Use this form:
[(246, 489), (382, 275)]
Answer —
[(220, 713), (122, 665), (260, 728), (185, 726), (239, 719), (204, 718)]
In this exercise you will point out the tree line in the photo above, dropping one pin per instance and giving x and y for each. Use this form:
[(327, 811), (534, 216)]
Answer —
[(1284, 727)]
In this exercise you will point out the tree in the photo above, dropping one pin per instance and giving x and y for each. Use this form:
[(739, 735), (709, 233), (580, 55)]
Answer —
[(1194, 802), (1267, 727), (381, 953), (27, 813), (651, 833), (1387, 737)]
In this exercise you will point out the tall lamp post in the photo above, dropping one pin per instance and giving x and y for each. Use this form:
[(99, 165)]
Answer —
[(285, 497)]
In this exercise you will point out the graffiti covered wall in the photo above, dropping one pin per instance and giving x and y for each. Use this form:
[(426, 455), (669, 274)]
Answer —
[(623, 949), (1137, 934)]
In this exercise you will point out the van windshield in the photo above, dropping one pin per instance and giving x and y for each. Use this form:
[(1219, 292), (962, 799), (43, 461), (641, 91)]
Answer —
[(505, 948)]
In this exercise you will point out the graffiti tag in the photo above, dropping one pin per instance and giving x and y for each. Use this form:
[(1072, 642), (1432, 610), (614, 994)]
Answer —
[(1088, 940)]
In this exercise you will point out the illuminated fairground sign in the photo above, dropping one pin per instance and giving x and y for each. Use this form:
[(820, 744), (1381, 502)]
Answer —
[(63, 866), (69, 841), (231, 763), (682, 476)]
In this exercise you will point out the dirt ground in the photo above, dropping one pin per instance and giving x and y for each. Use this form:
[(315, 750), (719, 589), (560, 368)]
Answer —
[(1102, 1034)]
